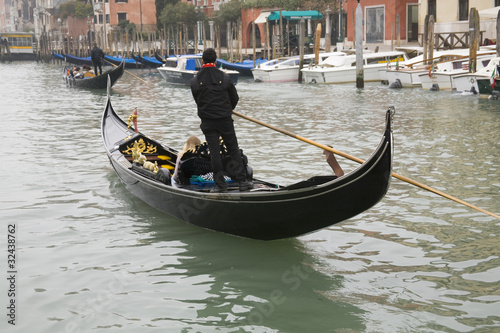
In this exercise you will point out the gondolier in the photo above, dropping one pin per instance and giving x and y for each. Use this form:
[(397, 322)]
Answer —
[(97, 55), (216, 97)]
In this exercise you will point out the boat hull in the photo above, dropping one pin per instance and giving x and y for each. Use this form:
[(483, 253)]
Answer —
[(468, 82), (443, 80), (184, 77), (341, 75), (276, 75), (263, 215), (408, 78)]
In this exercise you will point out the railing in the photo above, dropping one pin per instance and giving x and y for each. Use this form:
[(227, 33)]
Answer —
[(451, 40)]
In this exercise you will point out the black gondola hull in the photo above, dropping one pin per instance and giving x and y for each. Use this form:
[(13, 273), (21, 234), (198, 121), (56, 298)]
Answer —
[(264, 215), (96, 82)]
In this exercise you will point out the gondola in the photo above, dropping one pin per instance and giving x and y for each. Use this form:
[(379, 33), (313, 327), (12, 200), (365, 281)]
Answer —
[(96, 82), (159, 58), (147, 61), (130, 63), (77, 60), (244, 68), (268, 211)]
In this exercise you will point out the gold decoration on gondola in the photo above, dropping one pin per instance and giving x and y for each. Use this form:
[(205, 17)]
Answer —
[(133, 119), (141, 146)]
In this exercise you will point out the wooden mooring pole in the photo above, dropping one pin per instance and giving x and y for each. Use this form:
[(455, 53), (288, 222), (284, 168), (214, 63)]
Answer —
[(360, 77)]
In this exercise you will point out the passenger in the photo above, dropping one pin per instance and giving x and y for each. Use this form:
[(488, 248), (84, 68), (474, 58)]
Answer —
[(76, 72), (87, 72), (216, 97), (332, 161), (191, 143)]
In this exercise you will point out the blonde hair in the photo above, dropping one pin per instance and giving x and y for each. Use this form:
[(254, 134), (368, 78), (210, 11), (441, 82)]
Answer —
[(190, 145)]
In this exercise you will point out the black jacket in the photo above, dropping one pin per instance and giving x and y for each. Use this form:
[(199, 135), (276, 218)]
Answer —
[(214, 93), (96, 54)]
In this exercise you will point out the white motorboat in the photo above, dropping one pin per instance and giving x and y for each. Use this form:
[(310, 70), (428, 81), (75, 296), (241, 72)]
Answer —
[(440, 76), (182, 69), (468, 82), (337, 69), (286, 69), (406, 75)]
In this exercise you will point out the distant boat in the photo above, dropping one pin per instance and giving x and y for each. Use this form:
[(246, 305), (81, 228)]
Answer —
[(77, 60), (244, 68), (96, 82), (147, 61), (130, 63), (342, 69), (181, 69), (441, 75), (407, 73), (16, 45), (286, 69), (479, 82)]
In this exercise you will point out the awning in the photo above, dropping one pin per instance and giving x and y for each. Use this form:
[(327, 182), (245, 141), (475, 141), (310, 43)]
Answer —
[(295, 15), (262, 17), (489, 13)]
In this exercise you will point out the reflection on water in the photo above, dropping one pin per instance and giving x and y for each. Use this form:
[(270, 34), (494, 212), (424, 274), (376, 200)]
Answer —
[(93, 257)]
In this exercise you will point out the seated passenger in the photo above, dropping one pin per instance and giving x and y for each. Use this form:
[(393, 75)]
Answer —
[(190, 146), (76, 72), (87, 72)]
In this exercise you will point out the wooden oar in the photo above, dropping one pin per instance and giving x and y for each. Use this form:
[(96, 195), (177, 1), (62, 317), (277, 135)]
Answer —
[(352, 158), (138, 78)]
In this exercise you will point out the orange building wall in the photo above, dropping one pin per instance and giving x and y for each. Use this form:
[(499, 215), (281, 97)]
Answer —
[(247, 17), (135, 9), (392, 8)]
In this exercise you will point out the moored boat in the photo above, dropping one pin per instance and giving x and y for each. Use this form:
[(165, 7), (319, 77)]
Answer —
[(266, 212), (130, 63), (287, 69), (342, 69), (441, 75), (147, 61), (244, 68), (181, 69), (469, 82), (77, 60)]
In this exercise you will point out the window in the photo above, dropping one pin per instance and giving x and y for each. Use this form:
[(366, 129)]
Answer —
[(107, 18), (123, 1), (497, 3), (100, 19), (463, 10), (122, 17), (431, 8), (375, 21)]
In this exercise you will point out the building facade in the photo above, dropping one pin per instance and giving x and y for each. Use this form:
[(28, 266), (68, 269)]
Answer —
[(381, 18), (452, 16)]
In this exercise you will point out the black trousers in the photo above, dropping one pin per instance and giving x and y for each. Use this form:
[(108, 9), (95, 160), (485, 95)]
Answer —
[(97, 64), (223, 127)]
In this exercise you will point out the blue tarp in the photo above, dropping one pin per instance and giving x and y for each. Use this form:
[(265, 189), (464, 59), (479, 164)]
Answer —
[(295, 15)]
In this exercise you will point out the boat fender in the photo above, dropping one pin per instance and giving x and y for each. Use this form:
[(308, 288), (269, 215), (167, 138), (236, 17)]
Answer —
[(473, 90), (435, 87), (396, 84)]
